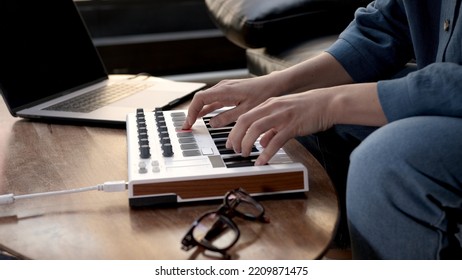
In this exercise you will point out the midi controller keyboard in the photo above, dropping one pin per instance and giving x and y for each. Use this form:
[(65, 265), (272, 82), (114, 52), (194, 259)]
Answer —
[(168, 165)]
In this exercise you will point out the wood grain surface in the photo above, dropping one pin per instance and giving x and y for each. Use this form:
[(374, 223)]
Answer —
[(39, 157)]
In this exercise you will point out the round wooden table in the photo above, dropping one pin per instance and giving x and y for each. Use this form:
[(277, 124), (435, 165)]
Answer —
[(39, 157)]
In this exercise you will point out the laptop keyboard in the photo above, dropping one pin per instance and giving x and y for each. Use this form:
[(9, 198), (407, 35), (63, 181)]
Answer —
[(98, 98)]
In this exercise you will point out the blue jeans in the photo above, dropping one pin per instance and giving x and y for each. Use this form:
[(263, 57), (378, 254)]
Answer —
[(404, 191), (401, 189), (332, 148)]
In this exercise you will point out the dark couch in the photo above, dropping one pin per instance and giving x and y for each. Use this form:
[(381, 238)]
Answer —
[(280, 33)]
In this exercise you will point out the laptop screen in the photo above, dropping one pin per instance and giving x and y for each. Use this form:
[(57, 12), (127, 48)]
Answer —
[(45, 51)]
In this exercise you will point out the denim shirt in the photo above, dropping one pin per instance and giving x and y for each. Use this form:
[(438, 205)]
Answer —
[(387, 34)]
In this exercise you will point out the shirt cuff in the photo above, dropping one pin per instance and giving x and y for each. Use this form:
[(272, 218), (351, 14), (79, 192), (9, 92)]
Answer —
[(347, 55), (394, 99)]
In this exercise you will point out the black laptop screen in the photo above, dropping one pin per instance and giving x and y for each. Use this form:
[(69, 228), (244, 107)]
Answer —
[(45, 50)]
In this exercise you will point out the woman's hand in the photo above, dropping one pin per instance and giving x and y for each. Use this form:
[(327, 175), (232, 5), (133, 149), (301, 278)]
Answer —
[(282, 118), (278, 120), (242, 95)]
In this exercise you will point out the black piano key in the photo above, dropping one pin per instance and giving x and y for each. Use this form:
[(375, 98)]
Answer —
[(223, 150), (240, 158), (220, 143), (226, 151), (219, 135), (240, 164), (221, 147), (240, 161)]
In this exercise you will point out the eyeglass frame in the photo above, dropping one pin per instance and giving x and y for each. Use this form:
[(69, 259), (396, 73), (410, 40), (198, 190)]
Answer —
[(225, 212)]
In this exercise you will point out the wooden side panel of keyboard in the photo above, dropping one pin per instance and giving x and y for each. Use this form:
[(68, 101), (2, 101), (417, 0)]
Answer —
[(264, 183)]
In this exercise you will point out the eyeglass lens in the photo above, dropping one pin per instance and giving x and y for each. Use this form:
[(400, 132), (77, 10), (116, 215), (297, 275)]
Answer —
[(244, 204), (213, 231)]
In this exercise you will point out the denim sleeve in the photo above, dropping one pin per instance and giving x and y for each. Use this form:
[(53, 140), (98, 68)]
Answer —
[(435, 90), (378, 38), (377, 44)]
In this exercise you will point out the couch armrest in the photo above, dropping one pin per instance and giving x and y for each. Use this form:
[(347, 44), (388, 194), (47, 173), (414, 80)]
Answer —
[(263, 23)]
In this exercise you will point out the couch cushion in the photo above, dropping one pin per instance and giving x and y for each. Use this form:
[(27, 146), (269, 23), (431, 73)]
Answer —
[(262, 23), (263, 61)]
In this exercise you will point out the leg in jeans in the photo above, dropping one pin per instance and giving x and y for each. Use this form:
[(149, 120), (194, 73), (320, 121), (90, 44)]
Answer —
[(404, 191), (332, 149)]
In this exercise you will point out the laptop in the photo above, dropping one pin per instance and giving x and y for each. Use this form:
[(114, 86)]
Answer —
[(51, 70)]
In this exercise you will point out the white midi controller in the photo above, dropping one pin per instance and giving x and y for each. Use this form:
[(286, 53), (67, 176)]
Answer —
[(169, 165)]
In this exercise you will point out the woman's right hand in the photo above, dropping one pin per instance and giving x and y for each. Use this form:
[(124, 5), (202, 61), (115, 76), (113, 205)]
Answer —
[(240, 94)]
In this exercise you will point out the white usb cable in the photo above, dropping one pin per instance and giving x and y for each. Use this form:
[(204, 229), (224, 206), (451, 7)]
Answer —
[(112, 186)]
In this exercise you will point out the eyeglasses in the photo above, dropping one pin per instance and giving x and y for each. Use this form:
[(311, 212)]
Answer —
[(216, 231)]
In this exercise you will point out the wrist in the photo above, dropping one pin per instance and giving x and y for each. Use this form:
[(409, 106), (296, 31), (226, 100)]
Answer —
[(277, 83), (356, 104)]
